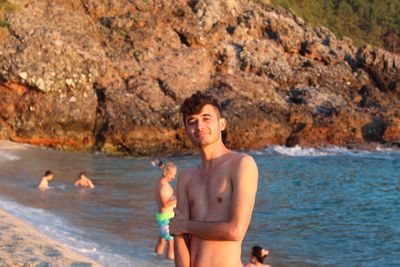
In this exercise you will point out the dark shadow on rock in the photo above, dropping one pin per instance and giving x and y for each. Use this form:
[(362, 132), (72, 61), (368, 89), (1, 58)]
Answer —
[(51, 252), (327, 110), (183, 39), (101, 124), (297, 96), (43, 264), (293, 139), (81, 264), (373, 131)]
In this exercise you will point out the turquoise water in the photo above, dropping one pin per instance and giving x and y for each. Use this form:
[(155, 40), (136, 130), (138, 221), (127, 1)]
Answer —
[(331, 207), (332, 210)]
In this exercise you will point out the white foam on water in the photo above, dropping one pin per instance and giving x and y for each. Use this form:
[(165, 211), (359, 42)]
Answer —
[(7, 156), (298, 151), (8, 149), (387, 150), (58, 229)]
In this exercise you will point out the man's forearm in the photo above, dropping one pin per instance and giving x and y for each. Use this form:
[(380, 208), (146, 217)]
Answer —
[(181, 248), (223, 230)]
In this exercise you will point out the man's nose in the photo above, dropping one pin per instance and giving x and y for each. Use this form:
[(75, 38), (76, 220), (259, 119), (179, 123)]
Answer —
[(200, 125)]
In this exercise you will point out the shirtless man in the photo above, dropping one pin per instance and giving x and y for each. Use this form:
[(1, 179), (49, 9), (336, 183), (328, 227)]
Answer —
[(215, 199), (84, 181), (166, 203), (44, 183)]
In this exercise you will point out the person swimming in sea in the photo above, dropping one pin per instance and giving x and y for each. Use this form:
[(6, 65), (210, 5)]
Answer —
[(257, 257), (84, 181), (47, 177)]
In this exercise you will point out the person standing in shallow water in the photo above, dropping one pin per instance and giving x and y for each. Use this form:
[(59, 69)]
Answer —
[(84, 181), (166, 203), (215, 198), (44, 183)]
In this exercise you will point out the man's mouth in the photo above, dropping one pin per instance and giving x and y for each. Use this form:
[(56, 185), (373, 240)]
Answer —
[(201, 134)]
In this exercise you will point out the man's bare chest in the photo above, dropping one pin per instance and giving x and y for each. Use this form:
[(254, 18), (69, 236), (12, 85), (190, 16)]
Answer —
[(210, 195)]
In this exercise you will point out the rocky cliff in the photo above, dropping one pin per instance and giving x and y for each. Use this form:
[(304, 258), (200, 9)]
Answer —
[(110, 76)]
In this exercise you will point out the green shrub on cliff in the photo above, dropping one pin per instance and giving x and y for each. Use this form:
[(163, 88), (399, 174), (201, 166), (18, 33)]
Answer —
[(5, 8), (376, 22), (4, 23)]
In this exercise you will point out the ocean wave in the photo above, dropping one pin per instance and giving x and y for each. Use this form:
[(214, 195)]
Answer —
[(6, 156), (298, 151), (57, 228)]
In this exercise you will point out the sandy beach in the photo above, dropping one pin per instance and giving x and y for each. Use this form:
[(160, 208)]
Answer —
[(22, 245)]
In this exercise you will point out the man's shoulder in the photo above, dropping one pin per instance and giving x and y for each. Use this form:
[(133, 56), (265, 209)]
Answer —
[(242, 162), (238, 157), (188, 170), (187, 173)]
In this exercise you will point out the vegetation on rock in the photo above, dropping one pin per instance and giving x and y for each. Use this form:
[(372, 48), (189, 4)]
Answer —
[(376, 22)]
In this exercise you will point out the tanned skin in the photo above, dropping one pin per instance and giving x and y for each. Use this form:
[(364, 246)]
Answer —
[(166, 203), (215, 199), (84, 181), (44, 183)]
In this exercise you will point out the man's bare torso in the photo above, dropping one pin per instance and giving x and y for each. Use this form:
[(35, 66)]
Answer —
[(169, 191), (209, 196)]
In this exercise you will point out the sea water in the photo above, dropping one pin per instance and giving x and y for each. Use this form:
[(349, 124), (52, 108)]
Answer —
[(314, 207)]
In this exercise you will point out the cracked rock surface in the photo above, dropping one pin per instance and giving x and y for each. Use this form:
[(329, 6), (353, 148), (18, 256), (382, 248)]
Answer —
[(110, 76)]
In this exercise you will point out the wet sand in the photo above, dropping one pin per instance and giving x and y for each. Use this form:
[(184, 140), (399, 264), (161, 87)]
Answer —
[(22, 245)]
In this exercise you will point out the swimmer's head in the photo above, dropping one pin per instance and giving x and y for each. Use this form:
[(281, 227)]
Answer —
[(161, 164), (169, 170), (82, 174), (259, 254), (48, 174)]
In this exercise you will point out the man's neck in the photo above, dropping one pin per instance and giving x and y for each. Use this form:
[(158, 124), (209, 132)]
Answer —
[(211, 153)]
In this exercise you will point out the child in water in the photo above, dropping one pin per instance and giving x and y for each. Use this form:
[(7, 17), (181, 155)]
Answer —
[(257, 257), (47, 177)]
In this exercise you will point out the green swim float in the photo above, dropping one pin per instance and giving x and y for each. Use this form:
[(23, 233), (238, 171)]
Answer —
[(163, 222)]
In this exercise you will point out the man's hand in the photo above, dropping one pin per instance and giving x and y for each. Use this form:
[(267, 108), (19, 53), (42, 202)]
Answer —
[(177, 224)]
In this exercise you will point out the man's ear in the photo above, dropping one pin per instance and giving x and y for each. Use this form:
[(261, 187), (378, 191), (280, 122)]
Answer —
[(222, 123)]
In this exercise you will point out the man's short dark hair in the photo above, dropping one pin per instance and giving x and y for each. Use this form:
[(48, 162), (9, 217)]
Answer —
[(48, 172), (193, 105), (82, 173)]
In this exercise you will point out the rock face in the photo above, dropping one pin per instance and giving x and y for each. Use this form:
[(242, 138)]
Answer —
[(110, 76)]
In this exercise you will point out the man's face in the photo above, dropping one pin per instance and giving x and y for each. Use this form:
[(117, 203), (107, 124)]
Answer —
[(172, 172), (205, 127), (169, 172)]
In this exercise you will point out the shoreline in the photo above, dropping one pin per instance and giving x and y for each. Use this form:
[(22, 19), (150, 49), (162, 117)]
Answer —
[(22, 245), (366, 146)]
